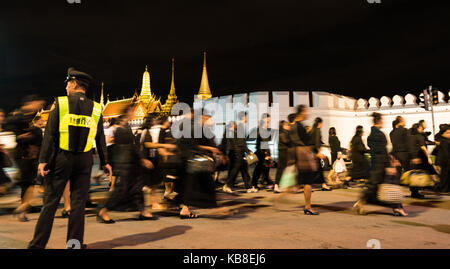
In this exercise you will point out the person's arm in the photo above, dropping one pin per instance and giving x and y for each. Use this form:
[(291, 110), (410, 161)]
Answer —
[(100, 142), (49, 146)]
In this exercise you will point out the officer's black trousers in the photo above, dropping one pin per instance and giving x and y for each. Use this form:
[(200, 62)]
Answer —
[(76, 167), (238, 164)]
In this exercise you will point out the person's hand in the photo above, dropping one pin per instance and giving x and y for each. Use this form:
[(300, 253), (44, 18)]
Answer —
[(24, 136), (416, 161), (215, 151), (147, 164), (108, 169), (339, 155), (430, 161), (320, 156), (41, 169)]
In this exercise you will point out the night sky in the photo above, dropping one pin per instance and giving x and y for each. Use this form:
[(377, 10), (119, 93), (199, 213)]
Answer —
[(348, 47)]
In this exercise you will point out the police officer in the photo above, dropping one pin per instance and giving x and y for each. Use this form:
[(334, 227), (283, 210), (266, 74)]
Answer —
[(66, 153)]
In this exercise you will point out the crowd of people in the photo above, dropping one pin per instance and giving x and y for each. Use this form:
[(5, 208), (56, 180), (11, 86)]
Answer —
[(185, 167)]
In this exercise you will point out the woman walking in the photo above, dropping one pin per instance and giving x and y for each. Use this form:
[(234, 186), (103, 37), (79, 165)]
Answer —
[(382, 169), (302, 140), (360, 165), (316, 142)]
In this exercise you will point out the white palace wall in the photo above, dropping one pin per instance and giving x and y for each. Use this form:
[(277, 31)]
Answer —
[(342, 112)]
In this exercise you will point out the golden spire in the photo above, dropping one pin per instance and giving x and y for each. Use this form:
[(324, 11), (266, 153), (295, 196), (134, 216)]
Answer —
[(146, 91), (172, 84), (204, 91), (102, 101)]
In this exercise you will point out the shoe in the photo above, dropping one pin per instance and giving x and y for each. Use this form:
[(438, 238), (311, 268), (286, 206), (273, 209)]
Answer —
[(309, 212), (190, 216), (65, 213), (399, 213), (102, 220), (270, 187), (253, 190), (227, 189), (276, 189), (23, 218), (142, 217), (324, 189)]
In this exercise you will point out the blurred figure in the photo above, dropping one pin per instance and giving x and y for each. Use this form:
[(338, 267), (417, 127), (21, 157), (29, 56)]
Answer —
[(168, 155), (2, 119), (316, 142), (237, 150), (301, 138), (149, 142), (127, 162), (336, 154), (29, 138), (66, 153), (360, 165), (109, 136), (438, 138), (34, 140), (196, 186), (284, 143), (4, 160), (444, 160), (263, 154), (420, 157), (383, 168)]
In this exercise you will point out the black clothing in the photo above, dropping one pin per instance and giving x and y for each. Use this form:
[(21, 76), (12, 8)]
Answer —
[(151, 177), (444, 163), (360, 165), (300, 137), (284, 143), (194, 189), (262, 150), (74, 164), (417, 141), (335, 147), (236, 148), (380, 161), (4, 178), (19, 123), (128, 186), (401, 146), (76, 167), (169, 167), (316, 142)]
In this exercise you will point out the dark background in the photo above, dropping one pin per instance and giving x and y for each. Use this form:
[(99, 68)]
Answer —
[(348, 47)]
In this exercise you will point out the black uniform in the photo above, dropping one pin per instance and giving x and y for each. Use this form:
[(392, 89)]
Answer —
[(335, 147), (284, 143), (237, 148), (400, 139), (74, 164), (263, 166)]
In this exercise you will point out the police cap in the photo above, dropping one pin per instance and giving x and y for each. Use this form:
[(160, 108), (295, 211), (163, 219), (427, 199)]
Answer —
[(83, 79)]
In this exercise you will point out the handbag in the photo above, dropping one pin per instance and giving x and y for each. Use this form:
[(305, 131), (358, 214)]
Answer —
[(201, 163), (289, 177), (305, 159), (390, 193), (339, 166), (417, 178), (251, 159)]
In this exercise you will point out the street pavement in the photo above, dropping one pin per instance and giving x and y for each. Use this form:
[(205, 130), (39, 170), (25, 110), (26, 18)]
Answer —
[(262, 220)]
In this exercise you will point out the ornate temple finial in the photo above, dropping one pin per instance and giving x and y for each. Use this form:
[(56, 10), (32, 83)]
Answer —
[(102, 101), (204, 91)]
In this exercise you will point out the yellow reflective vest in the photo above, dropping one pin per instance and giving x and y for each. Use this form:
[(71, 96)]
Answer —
[(66, 119)]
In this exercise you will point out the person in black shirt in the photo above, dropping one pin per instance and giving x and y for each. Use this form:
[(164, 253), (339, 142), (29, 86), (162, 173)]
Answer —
[(381, 169), (127, 160), (284, 143), (237, 149), (360, 165), (316, 142), (263, 153), (335, 144), (69, 157), (28, 139), (168, 156), (301, 138)]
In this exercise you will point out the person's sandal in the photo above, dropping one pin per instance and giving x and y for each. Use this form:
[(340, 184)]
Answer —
[(190, 216)]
